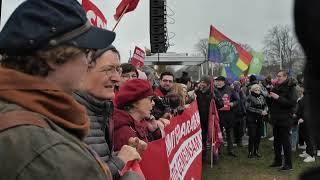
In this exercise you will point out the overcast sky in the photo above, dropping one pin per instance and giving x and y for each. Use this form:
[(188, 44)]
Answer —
[(244, 21)]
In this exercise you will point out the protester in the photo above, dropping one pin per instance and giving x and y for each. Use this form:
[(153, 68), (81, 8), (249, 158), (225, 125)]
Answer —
[(297, 133), (96, 95), (128, 72), (226, 114), (150, 73), (46, 48), (256, 109), (283, 101), (134, 103), (181, 90), (239, 114), (267, 83), (166, 83), (301, 117), (204, 97), (184, 79)]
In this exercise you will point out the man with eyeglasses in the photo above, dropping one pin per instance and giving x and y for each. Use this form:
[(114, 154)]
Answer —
[(166, 83), (97, 96)]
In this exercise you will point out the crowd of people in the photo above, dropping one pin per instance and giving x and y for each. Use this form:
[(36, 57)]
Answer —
[(68, 105)]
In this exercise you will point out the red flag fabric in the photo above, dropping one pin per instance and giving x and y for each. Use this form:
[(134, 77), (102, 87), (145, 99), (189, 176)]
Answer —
[(122, 8), (133, 166), (214, 132), (94, 14)]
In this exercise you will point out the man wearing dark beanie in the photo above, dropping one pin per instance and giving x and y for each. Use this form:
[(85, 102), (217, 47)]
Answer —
[(226, 113), (204, 96)]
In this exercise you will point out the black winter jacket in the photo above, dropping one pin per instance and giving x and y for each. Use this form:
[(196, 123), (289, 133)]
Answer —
[(100, 112), (204, 99), (282, 109), (255, 105), (227, 117)]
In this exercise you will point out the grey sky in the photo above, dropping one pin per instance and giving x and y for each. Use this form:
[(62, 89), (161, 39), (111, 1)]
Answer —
[(244, 21)]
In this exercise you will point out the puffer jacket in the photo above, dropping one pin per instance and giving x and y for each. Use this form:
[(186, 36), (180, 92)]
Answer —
[(99, 137)]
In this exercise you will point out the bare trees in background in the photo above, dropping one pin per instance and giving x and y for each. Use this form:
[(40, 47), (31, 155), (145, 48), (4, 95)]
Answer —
[(281, 47), (202, 47)]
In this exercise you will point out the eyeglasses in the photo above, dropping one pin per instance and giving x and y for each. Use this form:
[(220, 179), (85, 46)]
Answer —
[(111, 70), (129, 76)]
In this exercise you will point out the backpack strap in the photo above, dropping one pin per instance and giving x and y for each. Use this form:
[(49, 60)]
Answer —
[(16, 118)]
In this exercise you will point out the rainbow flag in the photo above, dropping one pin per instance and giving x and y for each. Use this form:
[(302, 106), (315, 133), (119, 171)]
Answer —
[(221, 49)]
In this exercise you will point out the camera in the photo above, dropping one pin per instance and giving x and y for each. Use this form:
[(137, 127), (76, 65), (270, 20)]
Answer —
[(167, 104)]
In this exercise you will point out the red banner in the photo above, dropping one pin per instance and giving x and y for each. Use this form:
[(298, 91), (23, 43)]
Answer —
[(138, 57), (178, 155), (94, 14)]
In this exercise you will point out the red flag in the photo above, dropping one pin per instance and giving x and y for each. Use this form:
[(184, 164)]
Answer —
[(214, 131), (94, 14), (133, 166), (124, 7)]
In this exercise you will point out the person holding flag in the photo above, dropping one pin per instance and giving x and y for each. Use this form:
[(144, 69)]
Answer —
[(204, 97)]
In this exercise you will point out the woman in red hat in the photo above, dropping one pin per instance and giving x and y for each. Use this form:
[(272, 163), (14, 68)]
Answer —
[(134, 103)]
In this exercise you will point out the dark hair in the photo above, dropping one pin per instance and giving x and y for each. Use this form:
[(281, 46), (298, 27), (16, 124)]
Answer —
[(126, 68), (284, 72), (166, 73), (99, 53), (252, 78), (37, 63)]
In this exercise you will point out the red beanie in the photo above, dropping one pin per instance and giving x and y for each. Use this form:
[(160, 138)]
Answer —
[(132, 91)]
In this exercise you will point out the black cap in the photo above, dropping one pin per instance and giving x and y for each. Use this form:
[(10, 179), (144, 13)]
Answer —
[(38, 24), (220, 78)]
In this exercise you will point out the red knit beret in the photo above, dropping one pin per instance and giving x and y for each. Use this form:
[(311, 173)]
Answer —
[(132, 91)]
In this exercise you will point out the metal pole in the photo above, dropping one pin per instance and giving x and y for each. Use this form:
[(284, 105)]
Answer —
[(201, 69), (280, 55), (208, 68), (212, 66), (199, 72)]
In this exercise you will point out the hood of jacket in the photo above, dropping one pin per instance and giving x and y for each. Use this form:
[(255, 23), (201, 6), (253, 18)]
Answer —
[(37, 95)]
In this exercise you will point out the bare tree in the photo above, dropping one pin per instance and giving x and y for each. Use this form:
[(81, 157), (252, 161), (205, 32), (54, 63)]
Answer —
[(246, 47), (202, 47), (281, 46)]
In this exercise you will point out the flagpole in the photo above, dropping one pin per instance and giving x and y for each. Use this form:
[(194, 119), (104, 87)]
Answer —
[(212, 141), (120, 17), (213, 122)]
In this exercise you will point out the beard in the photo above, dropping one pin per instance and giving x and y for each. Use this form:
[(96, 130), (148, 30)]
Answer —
[(165, 89)]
